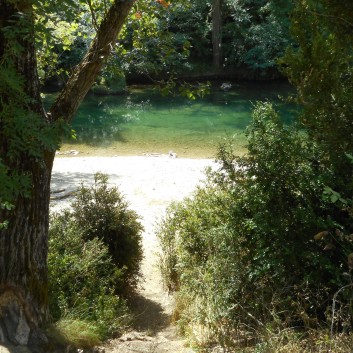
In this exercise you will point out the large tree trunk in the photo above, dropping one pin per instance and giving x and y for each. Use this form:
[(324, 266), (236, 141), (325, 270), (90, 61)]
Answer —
[(23, 245), (23, 261), (217, 33)]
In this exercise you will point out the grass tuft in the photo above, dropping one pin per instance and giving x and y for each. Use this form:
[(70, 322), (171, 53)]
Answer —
[(76, 333)]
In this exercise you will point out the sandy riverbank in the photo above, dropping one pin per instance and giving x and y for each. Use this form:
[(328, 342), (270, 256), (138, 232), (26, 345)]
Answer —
[(146, 181)]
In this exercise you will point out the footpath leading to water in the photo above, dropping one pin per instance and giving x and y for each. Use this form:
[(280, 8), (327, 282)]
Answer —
[(149, 185)]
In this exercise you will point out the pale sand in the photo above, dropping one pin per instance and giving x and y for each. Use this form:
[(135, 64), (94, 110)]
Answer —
[(149, 185), (147, 182)]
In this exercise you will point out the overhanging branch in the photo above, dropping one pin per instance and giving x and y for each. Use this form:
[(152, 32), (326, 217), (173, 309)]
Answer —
[(84, 74)]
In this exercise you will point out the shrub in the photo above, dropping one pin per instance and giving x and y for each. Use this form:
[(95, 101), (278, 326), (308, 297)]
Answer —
[(186, 223), (241, 252), (94, 258), (81, 280), (101, 212)]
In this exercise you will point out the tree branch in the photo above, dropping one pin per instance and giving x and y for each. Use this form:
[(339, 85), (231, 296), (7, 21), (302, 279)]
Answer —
[(84, 74), (93, 15)]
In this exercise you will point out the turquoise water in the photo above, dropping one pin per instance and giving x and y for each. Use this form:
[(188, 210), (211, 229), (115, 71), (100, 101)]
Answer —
[(145, 121)]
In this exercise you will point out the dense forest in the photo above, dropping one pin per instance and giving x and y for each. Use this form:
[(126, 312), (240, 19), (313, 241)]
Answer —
[(161, 40), (260, 258)]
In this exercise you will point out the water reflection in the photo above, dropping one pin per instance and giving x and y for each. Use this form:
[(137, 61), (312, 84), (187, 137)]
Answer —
[(145, 115)]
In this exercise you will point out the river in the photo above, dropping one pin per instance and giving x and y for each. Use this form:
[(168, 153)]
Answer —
[(145, 122)]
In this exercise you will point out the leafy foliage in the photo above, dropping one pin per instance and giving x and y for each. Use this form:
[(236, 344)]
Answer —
[(255, 33), (22, 129), (241, 252), (82, 278), (101, 212), (166, 39), (320, 66), (148, 44), (64, 32), (94, 257), (258, 33)]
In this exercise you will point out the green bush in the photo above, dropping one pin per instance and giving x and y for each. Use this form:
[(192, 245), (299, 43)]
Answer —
[(94, 258), (82, 278), (184, 229), (242, 251), (101, 212)]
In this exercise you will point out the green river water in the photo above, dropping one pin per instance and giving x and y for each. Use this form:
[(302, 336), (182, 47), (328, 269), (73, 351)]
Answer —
[(145, 122)]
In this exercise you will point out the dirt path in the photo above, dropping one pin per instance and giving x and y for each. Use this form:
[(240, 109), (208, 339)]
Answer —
[(149, 184)]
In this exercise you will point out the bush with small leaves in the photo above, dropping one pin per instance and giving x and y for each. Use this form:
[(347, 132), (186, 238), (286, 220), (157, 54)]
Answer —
[(241, 251), (82, 278), (94, 259), (102, 212)]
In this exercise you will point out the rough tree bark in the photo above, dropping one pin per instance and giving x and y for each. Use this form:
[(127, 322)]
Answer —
[(23, 245), (217, 33)]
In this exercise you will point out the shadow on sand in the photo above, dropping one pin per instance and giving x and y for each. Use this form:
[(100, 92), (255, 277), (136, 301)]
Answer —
[(148, 315)]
